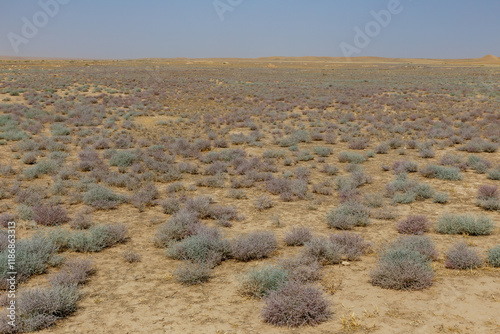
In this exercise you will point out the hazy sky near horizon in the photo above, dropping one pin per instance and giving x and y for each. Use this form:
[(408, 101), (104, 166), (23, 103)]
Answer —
[(127, 29)]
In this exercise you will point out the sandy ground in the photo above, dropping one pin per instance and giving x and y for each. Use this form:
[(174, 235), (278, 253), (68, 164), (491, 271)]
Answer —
[(143, 297)]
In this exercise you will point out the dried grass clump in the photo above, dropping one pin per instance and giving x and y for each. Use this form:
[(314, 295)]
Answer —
[(263, 202), (131, 257)]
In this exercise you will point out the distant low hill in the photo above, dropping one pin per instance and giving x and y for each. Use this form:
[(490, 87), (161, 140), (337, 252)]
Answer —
[(488, 59)]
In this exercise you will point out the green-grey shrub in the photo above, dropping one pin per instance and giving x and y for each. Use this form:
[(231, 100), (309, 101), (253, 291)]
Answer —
[(351, 157), (461, 256), (402, 269), (494, 174), (40, 308), (102, 198), (441, 198), (33, 257), (59, 130), (192, 273), (441, 172), (205, 247), (122, 159), (404, 198), (259, 282), (95, 238), (323, 250), (494, 256), (348, 215), (417, 243), (458, 224), (255, 245), (322, 151)]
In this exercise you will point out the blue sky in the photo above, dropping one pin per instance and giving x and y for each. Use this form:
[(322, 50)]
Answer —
[(124, 29)]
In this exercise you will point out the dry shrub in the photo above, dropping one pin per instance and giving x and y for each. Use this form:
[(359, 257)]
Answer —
[(461, 256), (414, 224), (256, 245), (206, 246), (259, 282), (181, 225), (402, 269), (296, 305), (298, 236), (192, 273), (348, 215), (351, 245), (50, 215), (323, 250), (73, 272)]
